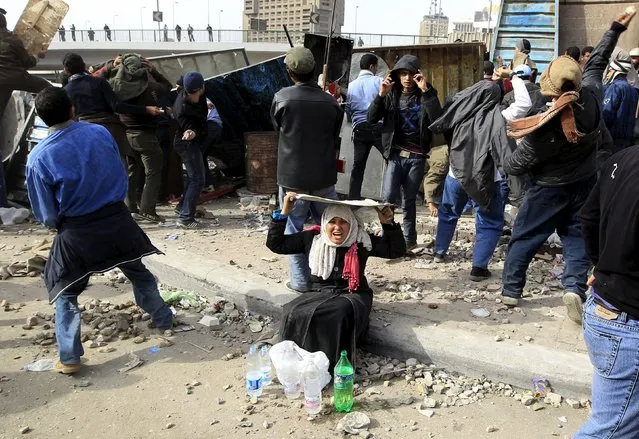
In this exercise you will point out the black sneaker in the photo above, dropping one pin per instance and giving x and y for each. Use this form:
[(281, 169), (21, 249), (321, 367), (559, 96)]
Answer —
[(479, 274)]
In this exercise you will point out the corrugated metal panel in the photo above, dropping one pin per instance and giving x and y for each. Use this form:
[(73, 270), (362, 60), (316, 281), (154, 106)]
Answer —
[(449, 67), (535, 20)]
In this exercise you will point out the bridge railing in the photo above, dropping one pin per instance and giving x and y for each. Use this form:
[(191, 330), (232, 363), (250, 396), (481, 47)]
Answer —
[(225, 36)]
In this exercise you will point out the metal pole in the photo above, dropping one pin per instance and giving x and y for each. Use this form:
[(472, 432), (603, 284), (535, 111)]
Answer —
[(356, 10), (327, 53), (157, 8), (490, 15)]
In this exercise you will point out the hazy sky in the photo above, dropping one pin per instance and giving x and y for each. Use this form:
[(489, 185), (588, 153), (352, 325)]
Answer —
[(374, 16)]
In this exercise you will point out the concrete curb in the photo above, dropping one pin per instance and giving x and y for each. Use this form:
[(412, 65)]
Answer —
[(456, 350)]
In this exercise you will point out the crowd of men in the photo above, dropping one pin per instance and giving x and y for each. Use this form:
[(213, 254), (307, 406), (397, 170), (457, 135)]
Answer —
[(559, 149)]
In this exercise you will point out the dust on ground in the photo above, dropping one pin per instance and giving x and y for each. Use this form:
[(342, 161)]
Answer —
[(190, 388)]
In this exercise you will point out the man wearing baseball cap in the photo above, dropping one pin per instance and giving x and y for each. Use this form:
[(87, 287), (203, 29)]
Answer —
[(539, 101), (190, 111), (309, 123)]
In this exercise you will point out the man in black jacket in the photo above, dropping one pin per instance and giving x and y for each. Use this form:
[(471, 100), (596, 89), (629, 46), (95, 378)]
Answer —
[(560, 154), (190, 112), (408, 104), (309, 122), (610, 222)]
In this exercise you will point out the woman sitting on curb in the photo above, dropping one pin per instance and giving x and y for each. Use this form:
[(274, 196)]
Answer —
[(334, 314)]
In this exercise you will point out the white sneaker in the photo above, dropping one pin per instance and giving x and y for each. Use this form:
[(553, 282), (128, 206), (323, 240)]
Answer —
[(574, 306)]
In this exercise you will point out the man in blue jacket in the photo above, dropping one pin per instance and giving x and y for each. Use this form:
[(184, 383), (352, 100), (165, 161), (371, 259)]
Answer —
[(620, 105)]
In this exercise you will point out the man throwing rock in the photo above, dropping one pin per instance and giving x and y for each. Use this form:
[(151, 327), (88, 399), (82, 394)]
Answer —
[(77, 184)]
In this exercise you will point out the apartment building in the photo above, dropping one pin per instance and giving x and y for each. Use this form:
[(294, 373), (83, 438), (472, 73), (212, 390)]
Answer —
[(433, 28), (298, 15)]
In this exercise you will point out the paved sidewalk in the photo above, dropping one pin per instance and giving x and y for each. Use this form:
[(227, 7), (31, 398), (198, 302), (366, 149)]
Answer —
[(401, 330)]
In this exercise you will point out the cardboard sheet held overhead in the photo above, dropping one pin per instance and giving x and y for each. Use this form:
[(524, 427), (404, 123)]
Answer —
[(352, 203), (39, 23)]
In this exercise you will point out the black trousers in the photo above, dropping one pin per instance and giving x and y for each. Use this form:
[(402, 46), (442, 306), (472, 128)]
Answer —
[(365, 137)]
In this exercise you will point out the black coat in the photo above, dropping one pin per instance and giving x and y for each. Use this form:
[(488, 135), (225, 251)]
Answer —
[(479, 140), (330, 319), (546, 154), (387, 108), (93, 243), (309, 122)]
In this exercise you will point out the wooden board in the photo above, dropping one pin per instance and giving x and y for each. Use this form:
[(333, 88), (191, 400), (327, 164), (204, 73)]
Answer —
[(39, 23)]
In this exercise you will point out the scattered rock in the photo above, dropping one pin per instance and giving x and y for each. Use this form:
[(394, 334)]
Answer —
[(554, 399), (107, 350), (267, 424), (563, 419), (211, 322), (411, 362), (170, 425), (537, 407), (25, 430), (499, 338), (83, 383), (427, 413), (139, 339), (429, 403), (32, 321), (354, 423), (491, 429), (574, 404)]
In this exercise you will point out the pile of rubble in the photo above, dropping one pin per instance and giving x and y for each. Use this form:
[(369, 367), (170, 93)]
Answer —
[(440, 389)]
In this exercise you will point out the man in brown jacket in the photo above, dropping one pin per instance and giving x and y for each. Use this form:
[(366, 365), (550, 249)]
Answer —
[(14, 62)]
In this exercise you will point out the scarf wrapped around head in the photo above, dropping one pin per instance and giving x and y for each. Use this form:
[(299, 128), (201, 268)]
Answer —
[(323, 251), (131, 80), (620, 54), (619, 67)]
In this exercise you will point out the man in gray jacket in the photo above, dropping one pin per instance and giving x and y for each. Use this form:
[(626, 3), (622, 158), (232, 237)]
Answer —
[(309, 123)]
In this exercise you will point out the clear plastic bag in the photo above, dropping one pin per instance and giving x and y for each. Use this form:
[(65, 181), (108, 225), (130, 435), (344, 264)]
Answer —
[(278, 355)]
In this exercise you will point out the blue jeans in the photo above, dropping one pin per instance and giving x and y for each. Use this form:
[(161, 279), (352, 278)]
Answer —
[(613, 347), (544, 210), (488, 222), (191, 155), (299, 269), (68, 315), (405, 175)]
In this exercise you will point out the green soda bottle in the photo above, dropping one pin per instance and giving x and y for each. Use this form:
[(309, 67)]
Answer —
[(343, 384)]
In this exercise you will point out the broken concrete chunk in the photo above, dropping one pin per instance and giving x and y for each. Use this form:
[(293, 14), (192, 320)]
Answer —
[(211, 322), (353, 423)]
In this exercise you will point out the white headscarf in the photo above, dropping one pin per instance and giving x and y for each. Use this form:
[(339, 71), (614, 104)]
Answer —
[(321, 258)]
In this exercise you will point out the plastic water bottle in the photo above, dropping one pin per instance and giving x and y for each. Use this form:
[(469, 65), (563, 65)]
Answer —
[(266, 366), (312, 388), (253, 373), (343, 384), (290, 373)]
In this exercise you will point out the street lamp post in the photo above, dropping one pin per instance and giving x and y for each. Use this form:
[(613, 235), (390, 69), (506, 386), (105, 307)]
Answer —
[(356, 10), (142, 21), (219, 26), (174, 3), (114, 17)]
